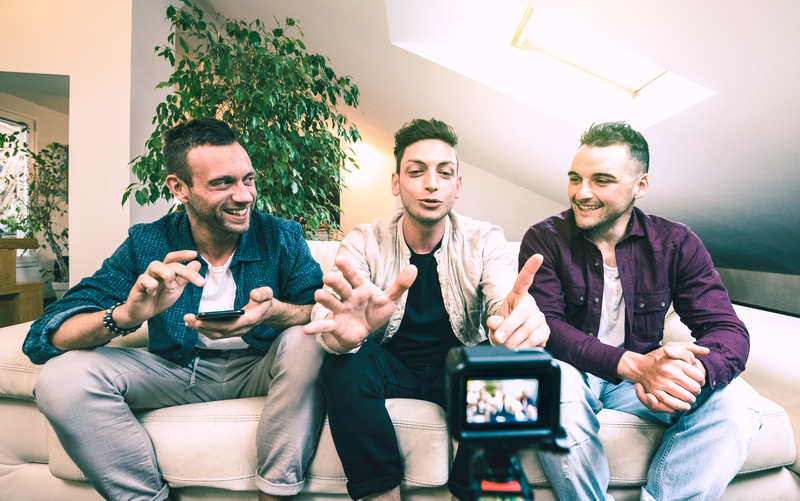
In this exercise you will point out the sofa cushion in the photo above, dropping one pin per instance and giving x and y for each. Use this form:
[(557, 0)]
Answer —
[(221, 452)]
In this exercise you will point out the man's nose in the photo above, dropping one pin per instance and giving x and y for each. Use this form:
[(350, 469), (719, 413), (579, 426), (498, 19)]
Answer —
[(584, 191), (431, 181), (242, 193)]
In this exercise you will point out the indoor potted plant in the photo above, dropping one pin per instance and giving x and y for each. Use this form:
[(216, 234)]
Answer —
[(281, 99), (47, 197)]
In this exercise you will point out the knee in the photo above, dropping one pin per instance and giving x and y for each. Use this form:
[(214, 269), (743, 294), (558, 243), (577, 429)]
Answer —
[(64, 382), (350, 374), (297, 351), (738, 406)]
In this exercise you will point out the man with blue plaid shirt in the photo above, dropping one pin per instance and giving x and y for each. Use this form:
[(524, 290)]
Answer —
[(217, 254)]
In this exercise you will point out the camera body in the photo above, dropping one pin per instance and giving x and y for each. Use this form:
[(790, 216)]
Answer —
[(501, 398), (499, 401)]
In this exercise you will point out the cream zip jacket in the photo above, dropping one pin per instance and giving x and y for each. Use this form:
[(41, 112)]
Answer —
[(476, 271)]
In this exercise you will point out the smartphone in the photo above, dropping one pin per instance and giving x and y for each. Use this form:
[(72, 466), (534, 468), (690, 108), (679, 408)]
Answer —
[(219, 315)]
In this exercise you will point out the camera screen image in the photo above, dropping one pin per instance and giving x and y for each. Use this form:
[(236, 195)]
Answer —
[(502, 401)]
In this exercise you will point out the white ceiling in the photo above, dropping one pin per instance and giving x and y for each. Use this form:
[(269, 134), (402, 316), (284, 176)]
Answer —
[(729, 167)]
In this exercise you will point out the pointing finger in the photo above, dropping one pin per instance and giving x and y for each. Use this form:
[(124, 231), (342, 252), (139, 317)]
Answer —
[(526, 274)]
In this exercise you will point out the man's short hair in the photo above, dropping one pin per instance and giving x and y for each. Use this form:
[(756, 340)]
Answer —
[(182, 138), (419, 130), (619, 133)]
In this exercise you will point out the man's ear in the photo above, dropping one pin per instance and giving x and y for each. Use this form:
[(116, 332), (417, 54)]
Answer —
[(179, 189), (395, 184), (641, 186)]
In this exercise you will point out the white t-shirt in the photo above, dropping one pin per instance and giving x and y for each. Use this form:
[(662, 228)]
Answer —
[(219, 293), (612, 316)]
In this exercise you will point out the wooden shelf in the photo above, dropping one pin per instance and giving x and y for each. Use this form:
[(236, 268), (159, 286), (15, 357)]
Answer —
[(19, 301), (18, 243)]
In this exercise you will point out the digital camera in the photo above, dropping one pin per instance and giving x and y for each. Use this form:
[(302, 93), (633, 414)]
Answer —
[(499, 401)]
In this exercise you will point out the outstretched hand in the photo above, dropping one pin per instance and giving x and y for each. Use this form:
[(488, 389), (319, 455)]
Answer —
[(360, 308), (519, 323)]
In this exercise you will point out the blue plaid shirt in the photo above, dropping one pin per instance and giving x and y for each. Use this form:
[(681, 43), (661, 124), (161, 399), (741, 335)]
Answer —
[(271, 253)]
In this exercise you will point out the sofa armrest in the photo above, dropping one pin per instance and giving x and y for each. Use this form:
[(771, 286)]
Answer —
[(18, 374), (772, 367)]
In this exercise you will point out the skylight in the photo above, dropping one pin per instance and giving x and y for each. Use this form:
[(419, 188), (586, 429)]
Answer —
[(545, 60)]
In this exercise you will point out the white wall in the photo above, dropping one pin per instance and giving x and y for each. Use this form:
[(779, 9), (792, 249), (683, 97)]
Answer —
[(89, 41)]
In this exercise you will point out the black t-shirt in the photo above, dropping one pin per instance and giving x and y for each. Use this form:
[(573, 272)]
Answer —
[(425, 334)]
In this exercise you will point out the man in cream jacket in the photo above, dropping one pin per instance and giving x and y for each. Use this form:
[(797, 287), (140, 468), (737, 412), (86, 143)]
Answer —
[(406, 289)]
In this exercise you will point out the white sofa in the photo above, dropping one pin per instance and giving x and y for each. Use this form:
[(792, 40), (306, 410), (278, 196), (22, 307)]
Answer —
[(217, 460)]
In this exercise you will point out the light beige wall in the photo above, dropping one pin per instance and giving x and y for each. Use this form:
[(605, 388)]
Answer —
[(89, 41), (150, 29), (368, 194), (769, 290), (484, 196)]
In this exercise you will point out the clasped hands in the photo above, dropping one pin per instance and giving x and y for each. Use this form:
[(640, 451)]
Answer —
[(667, 379), (358, 307), (160, 286)]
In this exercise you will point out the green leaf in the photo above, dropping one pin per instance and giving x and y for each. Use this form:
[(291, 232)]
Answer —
[(281, 98)]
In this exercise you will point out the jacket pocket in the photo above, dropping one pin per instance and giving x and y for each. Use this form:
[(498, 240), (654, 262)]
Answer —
[(574, 304), (649, 310)]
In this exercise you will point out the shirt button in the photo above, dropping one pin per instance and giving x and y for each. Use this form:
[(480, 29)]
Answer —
[(581, 299), (663, 303), (597, 300), (596, 263), (641, 305)]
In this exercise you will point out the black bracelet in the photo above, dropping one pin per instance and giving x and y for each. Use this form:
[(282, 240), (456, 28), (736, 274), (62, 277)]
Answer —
[(111, 325)]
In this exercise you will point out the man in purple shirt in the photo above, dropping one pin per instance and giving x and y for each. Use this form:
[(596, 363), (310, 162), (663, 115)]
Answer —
[(609, 275)]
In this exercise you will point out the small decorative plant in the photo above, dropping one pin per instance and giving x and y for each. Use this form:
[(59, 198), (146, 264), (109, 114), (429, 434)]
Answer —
[(281, 99), (47, 183)]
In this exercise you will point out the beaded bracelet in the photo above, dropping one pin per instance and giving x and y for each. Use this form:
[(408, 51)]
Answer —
[(111, 325)]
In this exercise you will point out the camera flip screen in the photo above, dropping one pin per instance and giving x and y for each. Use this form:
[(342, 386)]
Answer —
[(502, 401)]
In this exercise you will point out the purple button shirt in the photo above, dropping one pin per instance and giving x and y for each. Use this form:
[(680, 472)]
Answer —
[(660, 262)]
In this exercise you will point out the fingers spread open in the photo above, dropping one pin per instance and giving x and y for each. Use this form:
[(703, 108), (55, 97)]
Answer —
[(339, 284), (349, 271), (319, 326)]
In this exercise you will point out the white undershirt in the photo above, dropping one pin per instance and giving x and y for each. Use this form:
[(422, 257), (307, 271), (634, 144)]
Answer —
[(219, 293), (612, 316)]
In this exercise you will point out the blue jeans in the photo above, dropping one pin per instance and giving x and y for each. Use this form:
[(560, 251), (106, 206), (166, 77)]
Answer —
[(90, 396), (702, 450)]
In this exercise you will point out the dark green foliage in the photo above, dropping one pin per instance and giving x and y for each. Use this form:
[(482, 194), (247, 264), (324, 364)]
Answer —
[(282, 100)]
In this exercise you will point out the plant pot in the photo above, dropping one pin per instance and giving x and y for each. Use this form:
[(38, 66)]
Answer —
[(28, 269), (60, 288)]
